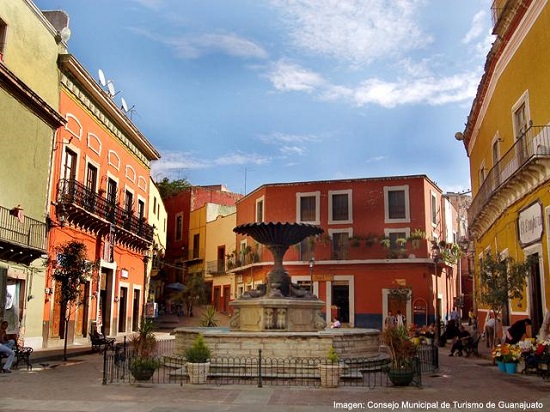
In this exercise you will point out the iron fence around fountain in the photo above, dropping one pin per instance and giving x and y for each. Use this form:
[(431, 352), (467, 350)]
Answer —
[(369, 372)]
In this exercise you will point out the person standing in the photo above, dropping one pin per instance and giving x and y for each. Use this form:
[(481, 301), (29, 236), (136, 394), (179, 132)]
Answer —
[(400, 319), (389, 322), (490, 329)]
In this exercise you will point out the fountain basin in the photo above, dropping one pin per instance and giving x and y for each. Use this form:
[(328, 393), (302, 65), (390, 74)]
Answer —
[(349, 343)]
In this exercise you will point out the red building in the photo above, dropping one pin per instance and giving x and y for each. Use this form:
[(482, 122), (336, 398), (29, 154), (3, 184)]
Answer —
[(99, 196), (375, 250), (184, 253)]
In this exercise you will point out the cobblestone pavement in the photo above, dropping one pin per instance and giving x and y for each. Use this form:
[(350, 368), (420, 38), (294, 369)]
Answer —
[(466, 384)]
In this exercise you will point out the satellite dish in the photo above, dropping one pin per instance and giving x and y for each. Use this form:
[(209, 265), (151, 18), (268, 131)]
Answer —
[(111, 88), (102, 80), (124, 104), (65, 34)]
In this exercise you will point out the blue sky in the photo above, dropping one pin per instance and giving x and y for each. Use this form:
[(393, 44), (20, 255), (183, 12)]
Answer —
[(250, 92)]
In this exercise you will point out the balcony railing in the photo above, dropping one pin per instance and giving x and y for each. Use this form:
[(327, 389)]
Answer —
[(216, 267), (75, 193), (30, 233), (532, 145)]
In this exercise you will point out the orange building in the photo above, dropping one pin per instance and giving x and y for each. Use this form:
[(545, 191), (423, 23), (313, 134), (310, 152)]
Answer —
[(99, 196), (375, 250)]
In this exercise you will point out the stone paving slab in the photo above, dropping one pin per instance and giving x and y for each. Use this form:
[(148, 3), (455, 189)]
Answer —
[(466, 384)]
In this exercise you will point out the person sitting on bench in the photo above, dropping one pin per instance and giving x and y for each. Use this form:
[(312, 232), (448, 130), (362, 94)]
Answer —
[(463, 338)]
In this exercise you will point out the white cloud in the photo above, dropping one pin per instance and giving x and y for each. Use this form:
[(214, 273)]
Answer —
[(357, 31), (151, 4), (477, 28), (287, 76), (239, 158), (229, 44)]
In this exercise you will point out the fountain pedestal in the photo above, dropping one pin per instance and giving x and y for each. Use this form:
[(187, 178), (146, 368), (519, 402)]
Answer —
[(274, 315)]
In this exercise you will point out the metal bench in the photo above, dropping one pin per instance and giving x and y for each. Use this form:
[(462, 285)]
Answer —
[(99, 341)]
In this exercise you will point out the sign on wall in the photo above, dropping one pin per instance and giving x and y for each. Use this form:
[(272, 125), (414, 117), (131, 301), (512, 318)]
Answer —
[(530, 224)]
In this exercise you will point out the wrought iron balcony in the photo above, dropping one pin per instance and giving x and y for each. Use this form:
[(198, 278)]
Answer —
[(23, 240), (87, 209), (216, 267), (524, 162)]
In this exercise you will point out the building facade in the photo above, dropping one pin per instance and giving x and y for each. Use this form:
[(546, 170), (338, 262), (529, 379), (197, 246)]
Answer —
[(375, 254), (29, 101), (507, 140), (100, 184)]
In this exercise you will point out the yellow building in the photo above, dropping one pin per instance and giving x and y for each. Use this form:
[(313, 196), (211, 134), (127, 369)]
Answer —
[(507, 138), (211, 239)]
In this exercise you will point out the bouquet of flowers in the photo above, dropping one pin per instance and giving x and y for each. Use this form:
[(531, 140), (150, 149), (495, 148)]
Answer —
[(542, 349), (526, 346), (506, 353), (510, 353)]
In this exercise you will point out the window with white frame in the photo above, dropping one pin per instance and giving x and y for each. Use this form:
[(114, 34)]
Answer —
[(260, 209), (520, 119), (434, 209), (340, 210), (307, 207), (396, 204), (340, 243)]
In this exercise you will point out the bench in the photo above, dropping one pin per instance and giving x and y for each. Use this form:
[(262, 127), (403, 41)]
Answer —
[(22, 353), (99, 341)]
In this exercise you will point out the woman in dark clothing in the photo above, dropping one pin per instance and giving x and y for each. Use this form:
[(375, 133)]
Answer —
[(516, 332)]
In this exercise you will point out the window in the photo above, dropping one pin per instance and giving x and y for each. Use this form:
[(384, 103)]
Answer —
[(434, 209), (179, 227), (196, 245), (69, 170), (307, 207), (393, 236), (141, 208), (112, 191), (3, 35), (307, 248), (396, 204), (340, 206), (128, 202), (260, 209), (340, 245), (91, 178), (520, 120)]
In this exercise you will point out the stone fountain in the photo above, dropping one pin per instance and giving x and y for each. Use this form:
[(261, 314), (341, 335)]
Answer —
[(280, 318), (280, 305)]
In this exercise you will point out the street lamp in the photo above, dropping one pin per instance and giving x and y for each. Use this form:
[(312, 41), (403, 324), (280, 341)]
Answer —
[(436, 258)]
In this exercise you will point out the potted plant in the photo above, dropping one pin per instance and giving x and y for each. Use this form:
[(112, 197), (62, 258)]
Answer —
[(511, 355), (330, 369), (402, 350), (143, 362), (198, 361), (416, 236)]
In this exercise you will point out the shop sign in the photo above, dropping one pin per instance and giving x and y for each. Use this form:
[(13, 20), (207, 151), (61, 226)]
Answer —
[(322, 277), (530, 224)]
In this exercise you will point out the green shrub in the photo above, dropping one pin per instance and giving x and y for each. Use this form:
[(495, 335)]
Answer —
[(199, 352)]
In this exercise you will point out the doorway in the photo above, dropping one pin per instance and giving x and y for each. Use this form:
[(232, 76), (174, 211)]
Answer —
[(135, 310), (340, 299), (535, 298), (122, 309)]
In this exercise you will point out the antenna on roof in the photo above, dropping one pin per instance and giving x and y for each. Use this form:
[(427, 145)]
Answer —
[(124, 106), (107, 83)]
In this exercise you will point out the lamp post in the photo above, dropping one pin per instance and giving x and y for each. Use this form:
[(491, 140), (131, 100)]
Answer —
[(436, 258)]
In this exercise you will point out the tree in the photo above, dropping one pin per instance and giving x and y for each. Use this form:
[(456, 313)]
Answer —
[(71, 272), (169, 187), (500, 281), (194, 293)]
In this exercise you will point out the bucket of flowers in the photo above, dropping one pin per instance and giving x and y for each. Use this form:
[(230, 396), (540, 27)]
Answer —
[(511, 355), (497, 356)]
